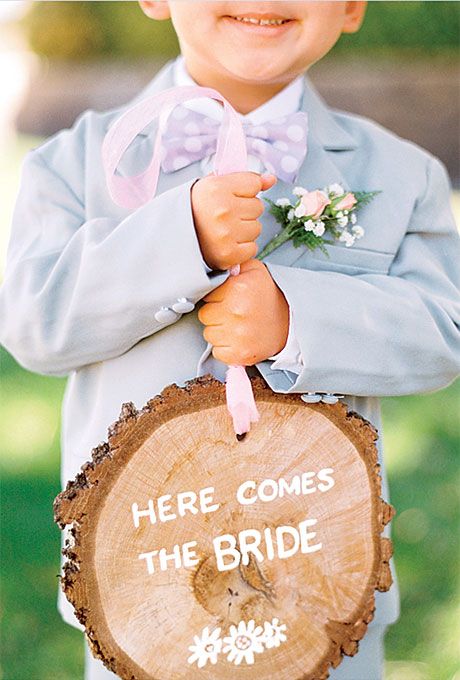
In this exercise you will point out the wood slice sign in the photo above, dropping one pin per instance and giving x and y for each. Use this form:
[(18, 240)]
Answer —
[(195, 555)]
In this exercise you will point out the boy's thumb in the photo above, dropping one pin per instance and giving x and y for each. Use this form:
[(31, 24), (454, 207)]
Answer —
[(268, 180)]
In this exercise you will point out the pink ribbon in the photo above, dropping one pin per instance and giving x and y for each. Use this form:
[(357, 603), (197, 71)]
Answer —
[(239, 394), (133, 192)]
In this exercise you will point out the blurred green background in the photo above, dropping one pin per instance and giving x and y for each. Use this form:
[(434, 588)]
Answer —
[(421, 432), (91, 29)]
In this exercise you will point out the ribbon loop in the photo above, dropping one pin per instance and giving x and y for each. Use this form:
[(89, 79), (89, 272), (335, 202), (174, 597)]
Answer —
[(133, 192)]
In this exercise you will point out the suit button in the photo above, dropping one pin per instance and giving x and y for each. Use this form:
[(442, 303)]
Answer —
[(331, 398), (311, 398), (165, 315), (183, 305)]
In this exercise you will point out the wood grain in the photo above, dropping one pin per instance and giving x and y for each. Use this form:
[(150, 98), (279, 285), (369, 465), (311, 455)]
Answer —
[(141, 624)]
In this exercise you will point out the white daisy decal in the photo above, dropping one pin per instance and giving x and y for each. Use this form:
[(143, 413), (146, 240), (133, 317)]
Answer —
[(274, 633), (243, 642), (206, 648)]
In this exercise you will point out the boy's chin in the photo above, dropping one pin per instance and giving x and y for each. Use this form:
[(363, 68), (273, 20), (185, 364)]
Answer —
[(259, 74)]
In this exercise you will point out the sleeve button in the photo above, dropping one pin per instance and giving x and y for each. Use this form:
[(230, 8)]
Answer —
[(183, 305), (165, 315), (331, 398), (311, 398)]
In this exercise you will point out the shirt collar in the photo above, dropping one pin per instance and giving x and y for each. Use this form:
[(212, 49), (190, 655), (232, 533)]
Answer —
[(330, 129), (285, 102)]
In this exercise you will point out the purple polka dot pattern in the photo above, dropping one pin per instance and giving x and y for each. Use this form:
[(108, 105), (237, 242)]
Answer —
[(281, 144)]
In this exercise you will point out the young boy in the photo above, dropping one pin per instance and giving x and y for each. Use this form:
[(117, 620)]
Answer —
[(110, 297)]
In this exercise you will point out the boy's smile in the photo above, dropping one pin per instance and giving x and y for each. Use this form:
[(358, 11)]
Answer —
[(249, 51), (261, 23)]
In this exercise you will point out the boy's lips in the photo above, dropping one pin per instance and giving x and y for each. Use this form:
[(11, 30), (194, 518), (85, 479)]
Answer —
[(259, 28)]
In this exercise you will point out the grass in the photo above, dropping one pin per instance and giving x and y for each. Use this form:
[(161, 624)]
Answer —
[(421, 441), (36, 644), (421, 437)]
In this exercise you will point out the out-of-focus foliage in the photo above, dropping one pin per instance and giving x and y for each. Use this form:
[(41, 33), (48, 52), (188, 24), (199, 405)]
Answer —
[(85, 30), (429, 26)]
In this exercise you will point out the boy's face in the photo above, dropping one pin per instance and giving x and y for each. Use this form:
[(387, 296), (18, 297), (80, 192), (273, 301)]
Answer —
[(211, 35)]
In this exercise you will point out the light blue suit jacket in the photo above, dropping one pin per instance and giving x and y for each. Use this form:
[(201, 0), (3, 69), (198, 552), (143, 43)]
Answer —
[(84, 279)]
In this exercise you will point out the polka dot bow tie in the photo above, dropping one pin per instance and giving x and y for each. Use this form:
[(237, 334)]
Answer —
[(281, 144)]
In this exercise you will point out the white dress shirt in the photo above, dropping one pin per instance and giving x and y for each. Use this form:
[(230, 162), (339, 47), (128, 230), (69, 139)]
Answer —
[(283, 103)]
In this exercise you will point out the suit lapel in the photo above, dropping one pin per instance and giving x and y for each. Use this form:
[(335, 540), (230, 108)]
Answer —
[(328, 143), (329, 148)]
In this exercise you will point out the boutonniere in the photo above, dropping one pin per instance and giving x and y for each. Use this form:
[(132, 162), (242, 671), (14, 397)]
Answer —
[(316, 214)]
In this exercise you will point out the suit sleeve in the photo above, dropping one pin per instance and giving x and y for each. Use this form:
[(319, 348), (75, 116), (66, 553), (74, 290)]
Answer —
[(382, 335), (77, 292)]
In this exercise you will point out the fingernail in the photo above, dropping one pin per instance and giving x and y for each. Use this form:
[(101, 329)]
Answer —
[(268, 175)]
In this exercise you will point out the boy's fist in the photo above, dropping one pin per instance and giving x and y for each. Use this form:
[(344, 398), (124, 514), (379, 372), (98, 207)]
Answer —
[(247, 317), (225, 211)]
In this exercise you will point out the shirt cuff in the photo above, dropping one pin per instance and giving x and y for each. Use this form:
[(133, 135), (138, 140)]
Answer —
[(208, 269), (290, 357)]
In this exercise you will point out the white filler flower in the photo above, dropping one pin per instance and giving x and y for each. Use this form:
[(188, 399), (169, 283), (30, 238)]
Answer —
[(336, 189), (206, 648), (348, 238), (274, 633), (299, 191), (283, 201), (319, 228), (300, 211), (243, 642)]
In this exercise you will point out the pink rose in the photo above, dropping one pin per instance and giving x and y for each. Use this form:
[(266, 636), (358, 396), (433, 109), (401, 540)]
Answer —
[(346, 203), (314, 203)]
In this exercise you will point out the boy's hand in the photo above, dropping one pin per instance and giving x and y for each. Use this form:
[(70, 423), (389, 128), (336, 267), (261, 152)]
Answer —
[(225, 211), (247, 317)]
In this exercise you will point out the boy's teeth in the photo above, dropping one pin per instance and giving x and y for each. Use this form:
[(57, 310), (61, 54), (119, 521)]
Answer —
[(261, 22)]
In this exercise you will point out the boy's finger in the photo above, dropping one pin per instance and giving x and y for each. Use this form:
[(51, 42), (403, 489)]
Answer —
[(216, 295), (210, 314), (268, 180), (245, 184), (246, 251), (216, 335), (251, 265), (249, 208), (248, 230)]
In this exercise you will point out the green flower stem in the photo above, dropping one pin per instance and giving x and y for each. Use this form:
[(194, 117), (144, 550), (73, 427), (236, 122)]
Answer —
[(294, 229), (275, 243)]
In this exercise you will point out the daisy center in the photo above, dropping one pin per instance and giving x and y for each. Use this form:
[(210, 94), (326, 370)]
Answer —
[(242, 642)]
